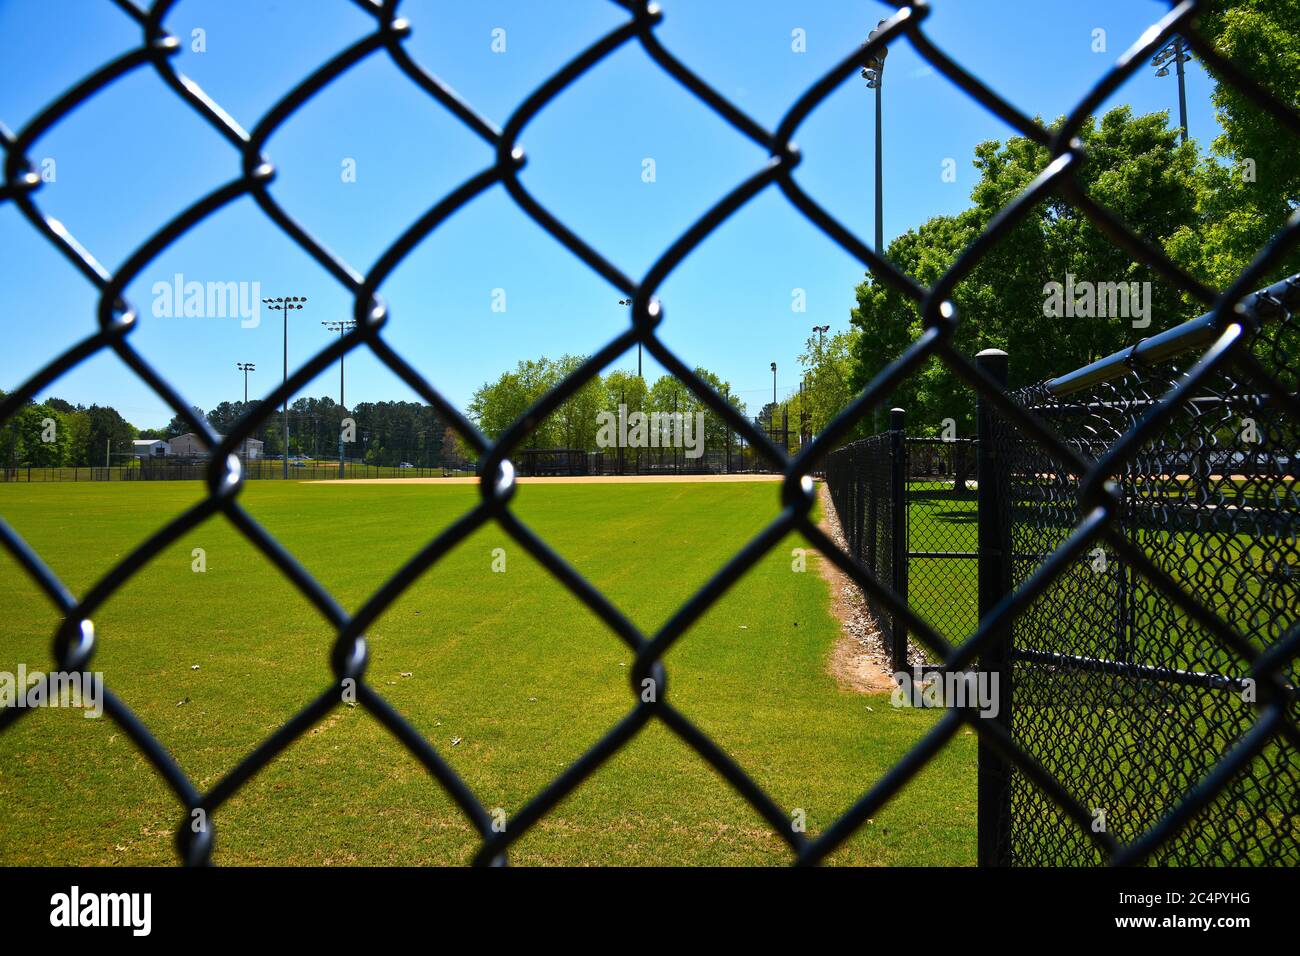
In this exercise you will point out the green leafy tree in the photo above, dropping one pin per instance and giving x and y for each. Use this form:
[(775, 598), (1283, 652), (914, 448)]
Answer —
[(828, 379), (178, 425), (1136, 167), (109, 436), (1253, 180)]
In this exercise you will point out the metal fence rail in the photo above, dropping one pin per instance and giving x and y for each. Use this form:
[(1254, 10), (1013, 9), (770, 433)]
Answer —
[(1098, 522)]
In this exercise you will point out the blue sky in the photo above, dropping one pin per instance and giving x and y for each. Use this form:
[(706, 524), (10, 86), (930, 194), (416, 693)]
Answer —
[(136, 155)]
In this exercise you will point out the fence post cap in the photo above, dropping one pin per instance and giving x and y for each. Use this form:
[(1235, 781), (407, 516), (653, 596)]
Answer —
[(896, 411), (991, 353)]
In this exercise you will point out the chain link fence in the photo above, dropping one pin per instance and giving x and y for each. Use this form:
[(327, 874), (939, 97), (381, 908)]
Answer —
[(1116, 690), (907, 506), (863, 490), (941, 533), (1100, 521)]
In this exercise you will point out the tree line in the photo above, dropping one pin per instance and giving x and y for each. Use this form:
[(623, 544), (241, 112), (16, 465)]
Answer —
[(576, 423), (57, 433)]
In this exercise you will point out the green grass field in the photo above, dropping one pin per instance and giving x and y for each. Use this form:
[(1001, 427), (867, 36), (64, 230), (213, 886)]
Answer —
[(943, 591), (510, 665)]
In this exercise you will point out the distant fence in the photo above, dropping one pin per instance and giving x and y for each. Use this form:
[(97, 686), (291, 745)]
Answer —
[(556, 462), (904, 504), (261, 468)]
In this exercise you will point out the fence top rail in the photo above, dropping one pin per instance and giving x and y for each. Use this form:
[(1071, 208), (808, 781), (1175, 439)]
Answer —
[(1194, 333)]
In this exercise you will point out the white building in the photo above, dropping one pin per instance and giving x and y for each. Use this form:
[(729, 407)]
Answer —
[(150, 448), (189, 446)]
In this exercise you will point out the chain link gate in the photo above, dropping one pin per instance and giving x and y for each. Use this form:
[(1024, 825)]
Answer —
[(1099, 521)]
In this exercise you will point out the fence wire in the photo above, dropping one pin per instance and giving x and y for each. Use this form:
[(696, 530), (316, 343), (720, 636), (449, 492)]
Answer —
[(1100, 516)]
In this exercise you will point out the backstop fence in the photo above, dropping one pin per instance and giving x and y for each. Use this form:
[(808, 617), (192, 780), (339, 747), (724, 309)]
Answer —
[(1011, 758)]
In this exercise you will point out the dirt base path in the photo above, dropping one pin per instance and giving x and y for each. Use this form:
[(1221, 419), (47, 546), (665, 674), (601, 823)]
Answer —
[(859, 660)]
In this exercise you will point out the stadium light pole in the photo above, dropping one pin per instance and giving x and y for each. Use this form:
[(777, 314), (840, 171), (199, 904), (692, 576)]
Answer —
[(342, 327), (821, 330), (1173, 50), (285, 305), (628, 303), (771, 419), (874, 74), (246, 367)]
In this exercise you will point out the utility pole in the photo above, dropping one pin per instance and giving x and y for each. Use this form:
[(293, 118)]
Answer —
[(285, 305), (874, 74), (246, 367), (342, 327), (628, 303), (1174, 50)]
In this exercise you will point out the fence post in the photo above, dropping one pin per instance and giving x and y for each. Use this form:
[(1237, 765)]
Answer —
[(994, 793), (898, 533)]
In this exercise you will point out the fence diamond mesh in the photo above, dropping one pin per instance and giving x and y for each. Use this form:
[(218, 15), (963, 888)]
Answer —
[(1100, 521)]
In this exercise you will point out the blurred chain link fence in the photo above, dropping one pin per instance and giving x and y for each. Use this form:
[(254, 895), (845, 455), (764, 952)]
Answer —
[(1099, 521)]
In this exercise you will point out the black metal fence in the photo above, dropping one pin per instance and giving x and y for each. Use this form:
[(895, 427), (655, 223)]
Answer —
[(1117, 688), (907, 507), (1127, 695), (1098, 522), (862, 479)]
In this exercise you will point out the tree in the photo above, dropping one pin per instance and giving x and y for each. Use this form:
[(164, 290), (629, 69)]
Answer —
[(1136, 168), (1253, 179), (224, 416), (108, 437), (576, 423), (178, 426), (452, 453), (38, 435), (496, 405), (626, 388), (717, 432), (828, 378)]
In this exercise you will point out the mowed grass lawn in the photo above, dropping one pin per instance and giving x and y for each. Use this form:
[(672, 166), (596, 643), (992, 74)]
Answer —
[(510, 665)]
